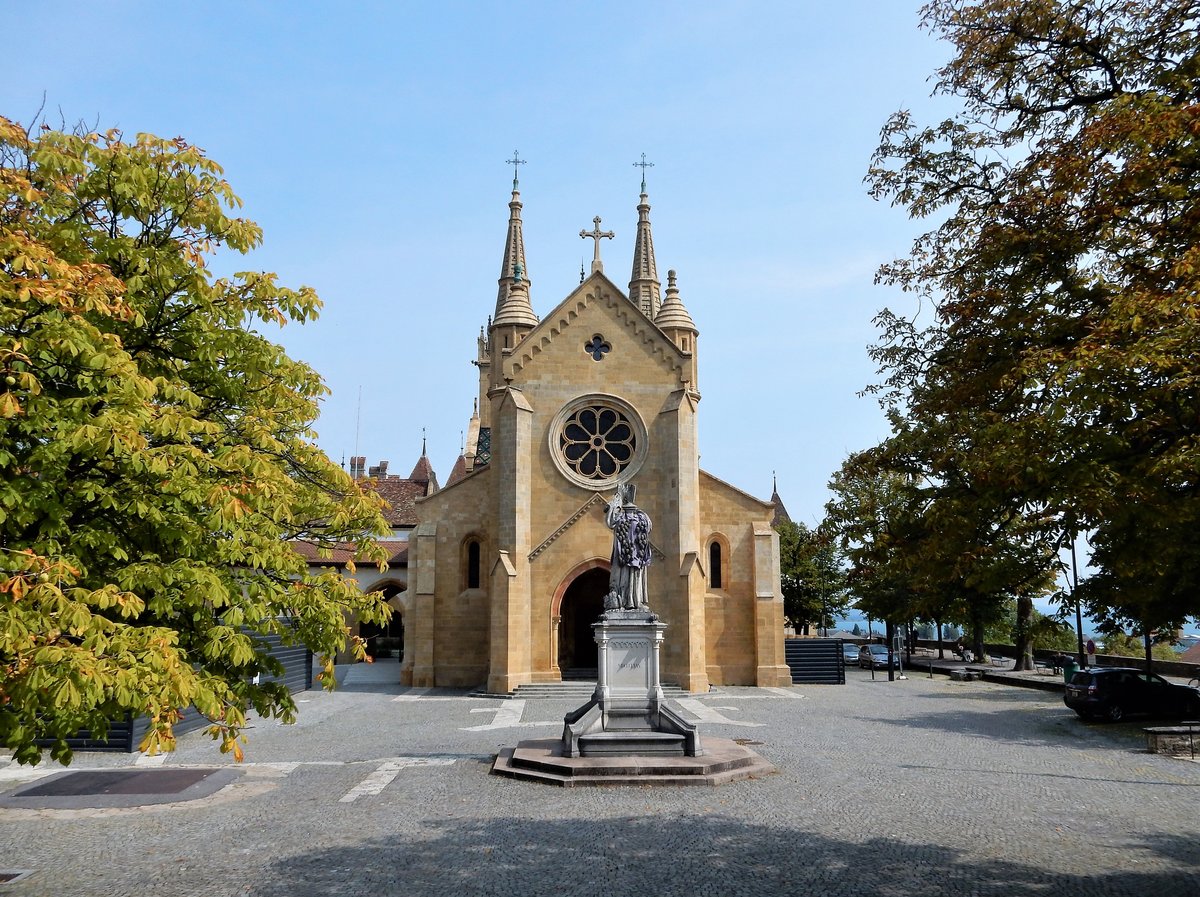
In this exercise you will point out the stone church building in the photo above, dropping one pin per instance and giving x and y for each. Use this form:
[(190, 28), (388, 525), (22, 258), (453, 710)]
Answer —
[(509, 562)]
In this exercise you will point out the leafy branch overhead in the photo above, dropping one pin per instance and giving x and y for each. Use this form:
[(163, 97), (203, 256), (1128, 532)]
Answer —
[(1054, 387), (156, 451)]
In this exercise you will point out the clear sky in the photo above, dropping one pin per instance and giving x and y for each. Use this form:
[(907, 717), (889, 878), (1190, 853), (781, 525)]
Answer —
[(369, 140)]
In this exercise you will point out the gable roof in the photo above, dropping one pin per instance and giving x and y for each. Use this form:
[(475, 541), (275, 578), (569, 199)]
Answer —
[(598, 290)]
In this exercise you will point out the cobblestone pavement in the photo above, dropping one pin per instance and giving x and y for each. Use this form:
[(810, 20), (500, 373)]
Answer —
[(919, 787)]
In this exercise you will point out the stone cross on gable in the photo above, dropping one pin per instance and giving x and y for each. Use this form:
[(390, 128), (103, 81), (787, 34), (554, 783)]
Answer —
[(595, 233)]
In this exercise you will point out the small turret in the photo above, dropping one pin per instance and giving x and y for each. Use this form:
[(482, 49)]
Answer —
[(673, 319)]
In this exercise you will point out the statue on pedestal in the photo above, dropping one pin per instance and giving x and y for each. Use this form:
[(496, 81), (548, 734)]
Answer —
[(630, 553)]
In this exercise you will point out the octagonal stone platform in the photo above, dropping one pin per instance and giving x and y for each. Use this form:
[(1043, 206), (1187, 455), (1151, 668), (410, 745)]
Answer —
[(544, 760)]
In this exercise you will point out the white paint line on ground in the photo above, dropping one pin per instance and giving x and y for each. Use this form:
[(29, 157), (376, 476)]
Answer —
[(508, 716), (386, 774), (786, 692), (413, 694), (146, 760), (708, 714)]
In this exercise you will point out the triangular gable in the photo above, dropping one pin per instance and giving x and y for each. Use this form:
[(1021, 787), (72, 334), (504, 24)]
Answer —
[(745, 497), (598, 290)]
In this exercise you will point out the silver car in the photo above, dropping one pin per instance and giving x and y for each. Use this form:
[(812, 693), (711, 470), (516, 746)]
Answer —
[(873, 657)]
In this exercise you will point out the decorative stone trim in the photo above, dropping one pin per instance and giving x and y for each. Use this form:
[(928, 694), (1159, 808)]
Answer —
[(575, 518), (633, 319), (595, 499)]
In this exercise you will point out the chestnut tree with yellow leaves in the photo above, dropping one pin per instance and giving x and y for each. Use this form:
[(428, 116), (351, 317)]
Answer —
[(156, 452), (1053, 368)]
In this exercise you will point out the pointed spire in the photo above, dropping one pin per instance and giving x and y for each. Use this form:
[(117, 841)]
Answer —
[(514, 243), (672, 315), (422, 472), (643, 282), (781, 514)]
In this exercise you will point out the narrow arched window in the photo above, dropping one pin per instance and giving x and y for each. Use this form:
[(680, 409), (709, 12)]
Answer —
[(714, 565), (472, 565)]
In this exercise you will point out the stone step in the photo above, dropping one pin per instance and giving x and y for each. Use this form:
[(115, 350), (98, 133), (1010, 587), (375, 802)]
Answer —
[(564, 690), (543, 761)]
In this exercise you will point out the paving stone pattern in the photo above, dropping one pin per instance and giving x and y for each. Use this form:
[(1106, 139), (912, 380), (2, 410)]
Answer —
[(923, 787)]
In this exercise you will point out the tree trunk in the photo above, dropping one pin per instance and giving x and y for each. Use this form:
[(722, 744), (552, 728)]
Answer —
[(941, 647), (1149, 652), (1024, 647), (977, 635)]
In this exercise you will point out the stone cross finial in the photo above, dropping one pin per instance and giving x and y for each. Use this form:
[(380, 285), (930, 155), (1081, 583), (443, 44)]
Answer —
[(514, 162), (643, 165), (596, 234)]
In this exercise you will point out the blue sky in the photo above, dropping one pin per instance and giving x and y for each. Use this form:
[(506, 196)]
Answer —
[(370, 141)]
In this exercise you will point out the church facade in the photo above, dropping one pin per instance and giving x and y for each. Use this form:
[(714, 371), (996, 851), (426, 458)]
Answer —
[(509, 562)]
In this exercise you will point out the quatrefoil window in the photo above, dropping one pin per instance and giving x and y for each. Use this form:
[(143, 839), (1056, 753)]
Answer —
[(597, 348)]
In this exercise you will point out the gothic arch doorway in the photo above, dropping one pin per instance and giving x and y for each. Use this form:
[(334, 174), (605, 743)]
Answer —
[(582, 603)]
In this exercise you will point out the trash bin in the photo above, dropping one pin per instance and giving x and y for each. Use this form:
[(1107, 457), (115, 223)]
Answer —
[(1070, 668)]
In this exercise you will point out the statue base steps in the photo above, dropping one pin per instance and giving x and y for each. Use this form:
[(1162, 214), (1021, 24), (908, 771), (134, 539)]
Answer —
[(543, 760)]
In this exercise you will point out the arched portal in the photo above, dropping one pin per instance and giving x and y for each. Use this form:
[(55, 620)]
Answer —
[(386, 641), (582, 603)]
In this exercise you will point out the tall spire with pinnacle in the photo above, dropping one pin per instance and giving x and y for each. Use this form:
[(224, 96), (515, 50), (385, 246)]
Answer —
[(644, 288), (514, 243)]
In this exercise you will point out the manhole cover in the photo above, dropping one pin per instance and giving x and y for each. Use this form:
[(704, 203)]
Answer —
[(118, 781)]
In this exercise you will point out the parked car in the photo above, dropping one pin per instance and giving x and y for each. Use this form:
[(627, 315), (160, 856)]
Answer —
[(873, 657), (1113, 693), (850, 652)]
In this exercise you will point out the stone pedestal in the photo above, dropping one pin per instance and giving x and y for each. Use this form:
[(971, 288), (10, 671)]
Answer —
[(627, 714)]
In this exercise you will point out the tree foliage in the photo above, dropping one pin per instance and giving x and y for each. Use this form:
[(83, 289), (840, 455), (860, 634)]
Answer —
[(1056, 379), (156, 451), (811, 577), (923, 547)]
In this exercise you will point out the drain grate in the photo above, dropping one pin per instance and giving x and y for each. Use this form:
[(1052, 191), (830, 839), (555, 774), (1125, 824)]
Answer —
[(745, 741), (118, 781)]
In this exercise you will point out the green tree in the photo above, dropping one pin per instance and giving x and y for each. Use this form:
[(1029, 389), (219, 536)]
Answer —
[(156, 452), (1058, 369), (924, 547), (811, 577)]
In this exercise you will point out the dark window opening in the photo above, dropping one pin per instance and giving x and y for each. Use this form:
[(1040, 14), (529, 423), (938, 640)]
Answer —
[(472, 565), (714, 565)]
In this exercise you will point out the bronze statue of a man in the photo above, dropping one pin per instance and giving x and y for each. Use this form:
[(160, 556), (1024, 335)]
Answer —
[(630, 553)]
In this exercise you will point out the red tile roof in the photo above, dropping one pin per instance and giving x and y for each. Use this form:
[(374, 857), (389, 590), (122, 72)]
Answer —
[(342, 552), (401, 496), (459, 471), (422, 473)]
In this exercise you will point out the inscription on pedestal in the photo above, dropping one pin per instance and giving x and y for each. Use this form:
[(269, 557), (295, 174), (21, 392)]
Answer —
[(629, 663)]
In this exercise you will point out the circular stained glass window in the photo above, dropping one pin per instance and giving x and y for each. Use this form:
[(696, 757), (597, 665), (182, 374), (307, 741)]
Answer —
[(596, 440)]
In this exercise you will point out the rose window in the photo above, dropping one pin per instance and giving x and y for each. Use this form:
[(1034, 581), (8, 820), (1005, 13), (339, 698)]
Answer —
[(597, 442)]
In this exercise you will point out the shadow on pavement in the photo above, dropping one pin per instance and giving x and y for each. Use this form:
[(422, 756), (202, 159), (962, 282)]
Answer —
[(379, 677), (710, 855)]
